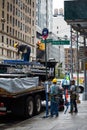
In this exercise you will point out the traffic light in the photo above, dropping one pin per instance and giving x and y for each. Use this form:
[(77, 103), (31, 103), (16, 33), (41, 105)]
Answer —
[(40, 45)]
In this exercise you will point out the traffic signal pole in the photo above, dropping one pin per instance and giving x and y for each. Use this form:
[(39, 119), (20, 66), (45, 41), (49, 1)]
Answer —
[(45, 35), (46, 57)]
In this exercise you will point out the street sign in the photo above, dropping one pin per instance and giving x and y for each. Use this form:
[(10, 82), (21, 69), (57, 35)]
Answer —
[(45, 33), (61, 42), (47, 40), (56, 42)]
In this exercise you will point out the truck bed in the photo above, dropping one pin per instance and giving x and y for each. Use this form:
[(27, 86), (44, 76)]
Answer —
[(19, 86)]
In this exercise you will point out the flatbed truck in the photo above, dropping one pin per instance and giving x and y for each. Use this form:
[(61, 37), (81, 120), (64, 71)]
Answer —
[(24, 101)]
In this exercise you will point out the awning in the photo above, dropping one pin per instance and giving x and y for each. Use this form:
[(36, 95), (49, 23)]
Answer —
[(75, 14)]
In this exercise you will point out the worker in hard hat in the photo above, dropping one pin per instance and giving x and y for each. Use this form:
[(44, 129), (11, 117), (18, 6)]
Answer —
[(54, 98), (25, 50)]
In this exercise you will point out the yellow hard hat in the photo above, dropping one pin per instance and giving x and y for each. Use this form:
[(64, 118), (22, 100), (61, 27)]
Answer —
[(15, 45), (54, 80)]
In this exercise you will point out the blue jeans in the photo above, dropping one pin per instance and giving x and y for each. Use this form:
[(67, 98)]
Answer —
[(73, 105), (26, 56), (54, 108)]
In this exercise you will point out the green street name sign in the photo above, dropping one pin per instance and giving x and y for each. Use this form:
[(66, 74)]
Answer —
[(47, 40), (61, 42), (57, 42)]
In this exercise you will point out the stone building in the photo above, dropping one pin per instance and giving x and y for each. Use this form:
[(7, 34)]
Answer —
[(17, 24)]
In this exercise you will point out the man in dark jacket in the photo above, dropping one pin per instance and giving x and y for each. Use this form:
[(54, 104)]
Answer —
[(73, 97), (25, 49)]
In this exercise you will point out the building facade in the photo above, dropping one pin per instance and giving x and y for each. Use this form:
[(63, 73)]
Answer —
[(17, 25), (44, 14), (62, 31), (68, 60)]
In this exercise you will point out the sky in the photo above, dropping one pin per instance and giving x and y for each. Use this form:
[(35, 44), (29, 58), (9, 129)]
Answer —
[(58, 4)]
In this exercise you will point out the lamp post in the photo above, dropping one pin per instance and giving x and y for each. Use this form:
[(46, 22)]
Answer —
[(45, 35)]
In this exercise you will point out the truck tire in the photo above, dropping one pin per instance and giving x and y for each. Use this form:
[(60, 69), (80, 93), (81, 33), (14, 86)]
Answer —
[(38, 104), (29, 108)]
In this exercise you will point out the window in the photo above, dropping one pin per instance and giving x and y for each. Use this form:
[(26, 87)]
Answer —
[(30, 2), (10, 19), (13, 1), (57, 27), (7, 41), (3, 2), (57, 32), (2, 38), (10, 42), (13, 32), (16, 33), (16, 22), (33, 14), (16, 11), (7, 29), (13, 21), (33, 22), (13, 43), (8, 6), (2, 51), (23, 36), (2, 14), (7, 18), (33, 4), (8, 53), (13, 10), (30, 12), (10, 30), (13, 54), (2, 26), (19, 24), (16, 1)]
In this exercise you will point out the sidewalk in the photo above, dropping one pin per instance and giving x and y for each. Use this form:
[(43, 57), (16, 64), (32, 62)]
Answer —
[(63, 122)]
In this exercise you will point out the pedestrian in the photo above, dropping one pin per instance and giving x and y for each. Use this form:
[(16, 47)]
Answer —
[(25, 50), (73, 97), (54, 95)]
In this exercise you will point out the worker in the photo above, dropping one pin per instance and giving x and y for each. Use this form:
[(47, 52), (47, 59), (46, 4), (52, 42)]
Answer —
[(40, 51), (25, 49), (54, 98), (73, 97)]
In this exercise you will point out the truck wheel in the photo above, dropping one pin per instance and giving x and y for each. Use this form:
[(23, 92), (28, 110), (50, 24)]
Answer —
[(37, 104), (29, 107)]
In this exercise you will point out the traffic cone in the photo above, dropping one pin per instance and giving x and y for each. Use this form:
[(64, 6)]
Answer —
[(66, 94)]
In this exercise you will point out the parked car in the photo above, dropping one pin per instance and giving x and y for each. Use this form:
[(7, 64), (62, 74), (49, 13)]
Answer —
[(80, 88)]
